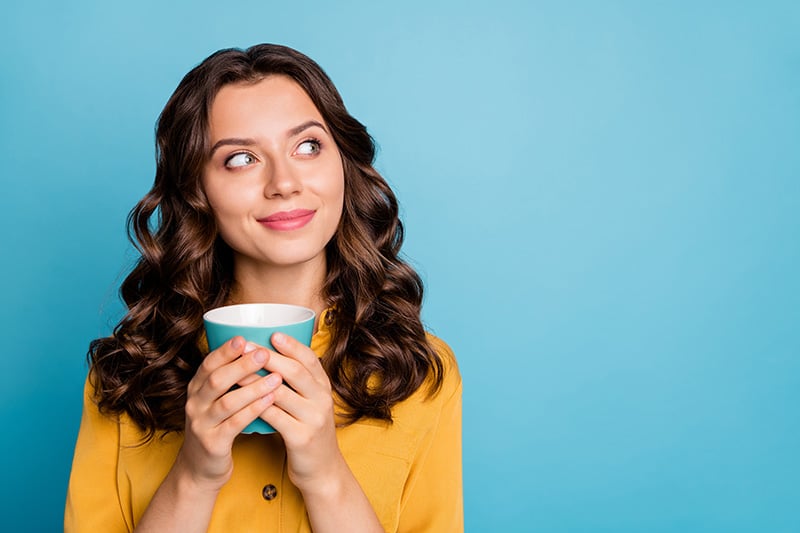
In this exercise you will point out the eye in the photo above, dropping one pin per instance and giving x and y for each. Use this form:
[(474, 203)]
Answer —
[(309, 147), (242, 159)]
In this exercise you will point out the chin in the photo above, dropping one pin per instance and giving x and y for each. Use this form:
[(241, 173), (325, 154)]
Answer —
[(285, 260)]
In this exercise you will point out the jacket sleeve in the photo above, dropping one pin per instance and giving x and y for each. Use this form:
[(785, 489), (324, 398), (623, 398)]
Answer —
[(433, 499), (93, 502)]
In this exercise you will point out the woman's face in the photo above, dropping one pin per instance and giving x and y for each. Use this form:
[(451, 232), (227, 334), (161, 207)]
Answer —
[(274, 177)]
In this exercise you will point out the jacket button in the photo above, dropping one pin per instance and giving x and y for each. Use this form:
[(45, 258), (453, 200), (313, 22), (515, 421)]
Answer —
[(269, 492)]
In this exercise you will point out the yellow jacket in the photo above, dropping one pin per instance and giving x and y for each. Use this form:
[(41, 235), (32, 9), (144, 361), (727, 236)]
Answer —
[(410, 470)]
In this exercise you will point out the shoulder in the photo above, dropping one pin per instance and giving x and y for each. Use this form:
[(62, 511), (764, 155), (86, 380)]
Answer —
[(451, 376), (101, 423), (91, 395), (95, 421)]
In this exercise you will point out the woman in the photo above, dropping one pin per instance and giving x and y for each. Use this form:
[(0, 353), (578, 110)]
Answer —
[(265, 192)]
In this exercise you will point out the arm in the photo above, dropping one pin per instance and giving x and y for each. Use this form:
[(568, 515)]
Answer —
[(214, 417), (340, 504), (303, 414), (179, 504)]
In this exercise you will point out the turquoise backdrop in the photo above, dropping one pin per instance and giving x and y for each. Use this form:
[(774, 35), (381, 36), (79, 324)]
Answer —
[(603, 198)]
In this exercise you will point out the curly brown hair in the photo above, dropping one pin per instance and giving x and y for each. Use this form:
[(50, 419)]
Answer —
[(185, 268)]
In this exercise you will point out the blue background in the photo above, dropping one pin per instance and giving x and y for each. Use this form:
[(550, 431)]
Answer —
[(603, 198)]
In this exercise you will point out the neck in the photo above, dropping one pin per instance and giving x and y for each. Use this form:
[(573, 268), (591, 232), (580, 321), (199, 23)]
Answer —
[(299, 284)]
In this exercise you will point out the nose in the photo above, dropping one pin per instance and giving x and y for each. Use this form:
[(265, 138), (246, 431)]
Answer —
[(281, 179)]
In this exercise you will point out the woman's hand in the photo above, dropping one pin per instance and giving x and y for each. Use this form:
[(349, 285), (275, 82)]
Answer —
[(215, 414), (302, 412)]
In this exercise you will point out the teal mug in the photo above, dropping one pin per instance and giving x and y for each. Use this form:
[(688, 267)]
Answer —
[(256, 323)]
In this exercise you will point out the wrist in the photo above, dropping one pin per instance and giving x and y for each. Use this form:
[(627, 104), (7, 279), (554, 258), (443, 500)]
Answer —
[(186, 480), (336, 502), (180, 503), (328, 485)]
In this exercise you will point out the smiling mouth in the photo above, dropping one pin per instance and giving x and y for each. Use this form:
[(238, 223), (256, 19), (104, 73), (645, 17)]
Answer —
[(288, 220)]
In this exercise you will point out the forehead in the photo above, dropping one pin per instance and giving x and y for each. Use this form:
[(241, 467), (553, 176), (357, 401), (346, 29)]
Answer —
[(274, 102)]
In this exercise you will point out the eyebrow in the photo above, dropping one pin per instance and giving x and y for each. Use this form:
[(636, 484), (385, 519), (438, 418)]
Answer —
[(238, 141)]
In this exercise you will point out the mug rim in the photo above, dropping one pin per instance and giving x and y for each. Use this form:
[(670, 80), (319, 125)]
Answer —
[(211, 316)]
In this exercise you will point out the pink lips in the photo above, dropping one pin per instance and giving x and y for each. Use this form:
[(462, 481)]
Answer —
[(288, 220)]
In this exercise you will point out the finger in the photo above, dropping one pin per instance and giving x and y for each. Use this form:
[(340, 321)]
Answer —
[(303, 409), (251, 378), (302, 418), (250, 346), (235, 424), (248, 379), (296, 375), (298, 351), (283, 422), (295, 349), (226, 353), (221, 379), (236, 400)]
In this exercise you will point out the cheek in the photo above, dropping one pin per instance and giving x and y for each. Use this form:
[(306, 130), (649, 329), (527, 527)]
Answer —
[(226, 215), (328, 185), (337, 184), (339, 191), (225, 201), (212, 194), (337, 198)]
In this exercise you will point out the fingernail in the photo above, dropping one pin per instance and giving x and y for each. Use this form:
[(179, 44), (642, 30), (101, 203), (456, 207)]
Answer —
[(249, 347), (236, 343), (273, 380), (260, 356), (280, 338)]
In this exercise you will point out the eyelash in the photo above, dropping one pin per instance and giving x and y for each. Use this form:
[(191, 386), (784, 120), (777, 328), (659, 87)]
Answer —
[(316, 142), (227, 161)]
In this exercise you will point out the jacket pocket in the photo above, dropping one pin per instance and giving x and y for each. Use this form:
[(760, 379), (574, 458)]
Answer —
[(380, 457)]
